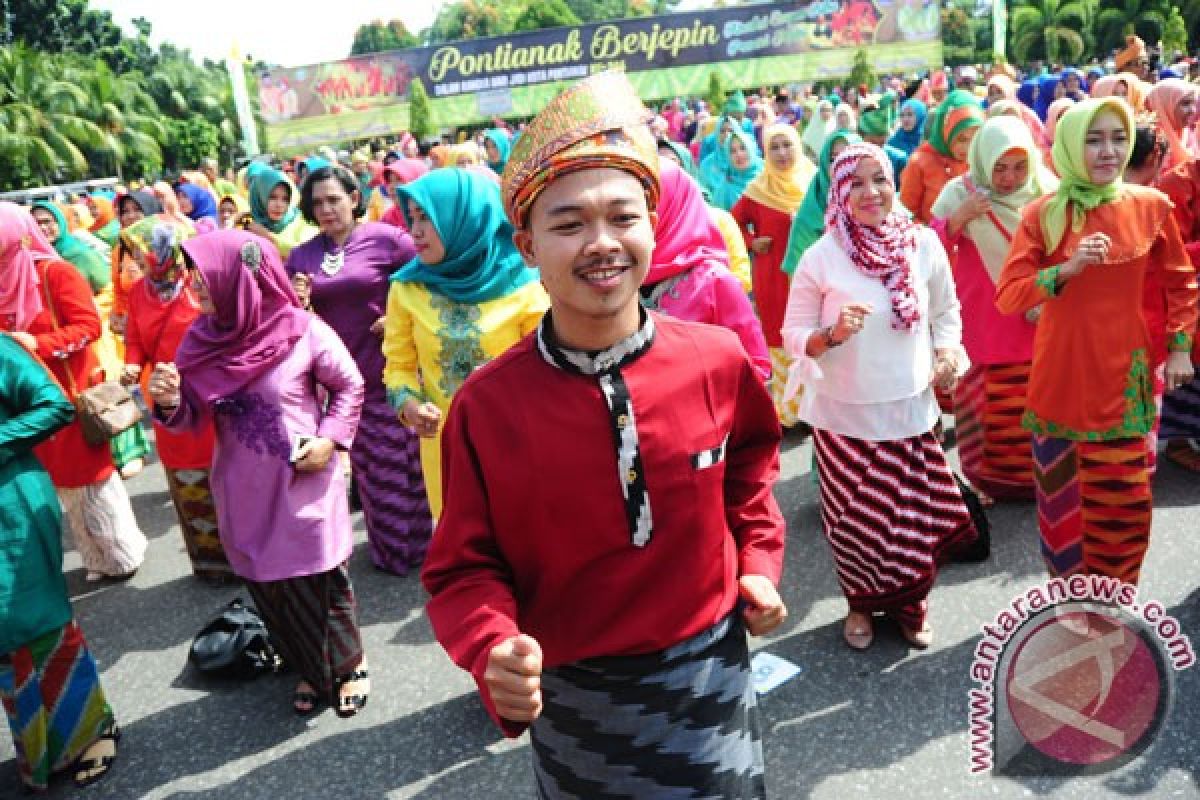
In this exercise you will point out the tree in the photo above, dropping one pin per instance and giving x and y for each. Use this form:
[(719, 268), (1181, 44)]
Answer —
[(1116, 18), (958, 37), (473, 19), (43, 126), (191, 141), (1047, 30), (420, 120), (715, 96), (545, 14), (861, 73), (126, 113), (1175, 34), (378, 37), (598, 10)]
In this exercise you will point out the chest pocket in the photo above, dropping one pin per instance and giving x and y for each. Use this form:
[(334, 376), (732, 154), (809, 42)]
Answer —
[(710, 458)]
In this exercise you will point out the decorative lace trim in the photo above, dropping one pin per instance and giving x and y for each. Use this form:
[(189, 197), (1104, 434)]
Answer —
[(1138, 419)]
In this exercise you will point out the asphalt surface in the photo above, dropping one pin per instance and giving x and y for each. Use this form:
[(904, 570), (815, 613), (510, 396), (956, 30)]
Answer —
[(887, 723)]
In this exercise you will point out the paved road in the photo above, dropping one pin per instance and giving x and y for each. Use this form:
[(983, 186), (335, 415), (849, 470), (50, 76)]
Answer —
[(887, 723)]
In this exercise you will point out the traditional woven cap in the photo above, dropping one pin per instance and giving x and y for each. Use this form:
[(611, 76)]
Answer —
[(596, 123)]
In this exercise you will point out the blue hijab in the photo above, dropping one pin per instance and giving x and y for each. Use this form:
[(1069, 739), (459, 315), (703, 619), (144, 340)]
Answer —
[(1046, 86), (203, 204), (908, 141), (481, 261), (1027, 92), (725, 182)]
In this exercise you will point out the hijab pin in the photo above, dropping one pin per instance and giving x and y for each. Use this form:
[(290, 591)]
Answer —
[(252, 256)]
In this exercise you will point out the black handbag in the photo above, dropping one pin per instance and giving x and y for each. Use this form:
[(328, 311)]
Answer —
[(981, 548), (235, 645)]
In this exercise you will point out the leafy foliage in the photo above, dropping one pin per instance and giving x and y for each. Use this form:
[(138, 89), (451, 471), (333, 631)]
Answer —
[(715, 96), (420, 118), (1048, 30), (377, 37), (860, 71), (545, 14), (80, 99)]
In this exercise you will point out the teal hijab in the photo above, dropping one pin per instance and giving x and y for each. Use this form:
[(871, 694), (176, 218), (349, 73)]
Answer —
[(725, 182), (481, 261), (503, 147), (85, 258), (261, 185), (809, 223)]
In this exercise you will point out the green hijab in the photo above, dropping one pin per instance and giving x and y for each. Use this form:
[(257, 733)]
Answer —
[(481, 261), (735, 104), (1076, 193), (261, 186), (809, 223), (879, 121), (85, 258), (960, 111)]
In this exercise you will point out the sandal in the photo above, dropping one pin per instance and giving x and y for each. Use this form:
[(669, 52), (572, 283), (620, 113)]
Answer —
[(351, 704), (919, 639), (305, 702), (90, 770), (860, 634)]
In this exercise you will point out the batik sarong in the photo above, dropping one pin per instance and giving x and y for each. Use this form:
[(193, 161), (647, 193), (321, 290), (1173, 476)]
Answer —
[(192, 496), (103, 527), (788, 410), (56, 709), (313, 621), (995, 451), (387, 472), (892, 513), (681, 723), (1094, 505)]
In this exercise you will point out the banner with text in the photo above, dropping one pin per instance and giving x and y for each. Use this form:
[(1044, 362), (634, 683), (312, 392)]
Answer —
[(503, 76)]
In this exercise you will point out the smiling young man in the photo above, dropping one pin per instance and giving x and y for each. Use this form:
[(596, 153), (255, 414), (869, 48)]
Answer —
[(609, 533)]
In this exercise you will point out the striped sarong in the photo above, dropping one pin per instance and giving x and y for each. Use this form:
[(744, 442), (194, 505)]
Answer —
[(995, 451), (313, 621), (197, 514), (681, 723), (892, 513), (387, 471), (1094, 505), (56, 709)]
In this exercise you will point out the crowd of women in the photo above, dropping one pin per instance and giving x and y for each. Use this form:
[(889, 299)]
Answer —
[(1012, 253)]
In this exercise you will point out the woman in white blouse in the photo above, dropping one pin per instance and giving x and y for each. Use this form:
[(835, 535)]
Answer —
[(873, 323)]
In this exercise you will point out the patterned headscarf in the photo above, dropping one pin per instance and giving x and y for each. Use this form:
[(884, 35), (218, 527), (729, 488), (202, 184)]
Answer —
[(884, 251), (155, 244), (596, 123), (22, 245)]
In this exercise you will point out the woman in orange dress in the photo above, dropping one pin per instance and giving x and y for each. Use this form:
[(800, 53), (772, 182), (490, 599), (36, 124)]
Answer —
[(1084, 254), (951, 127)]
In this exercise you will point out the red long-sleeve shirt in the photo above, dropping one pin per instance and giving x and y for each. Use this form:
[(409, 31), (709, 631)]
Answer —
[(534, 537)]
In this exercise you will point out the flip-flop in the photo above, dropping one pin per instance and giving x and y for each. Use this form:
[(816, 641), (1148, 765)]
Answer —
[(351, 704), (84, 769)]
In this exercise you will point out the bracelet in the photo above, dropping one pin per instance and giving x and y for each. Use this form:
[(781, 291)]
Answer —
[(827, 333)]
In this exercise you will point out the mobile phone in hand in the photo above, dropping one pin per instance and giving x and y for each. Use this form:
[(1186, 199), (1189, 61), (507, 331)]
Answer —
[(297, 447)]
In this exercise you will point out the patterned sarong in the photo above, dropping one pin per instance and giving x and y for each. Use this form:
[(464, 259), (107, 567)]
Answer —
[(129, 445), (788, 410), (892, 513), (995, 451), (1094, 505), (682, 723), (313, 620), (55, 706), (198, 522), (387, 472)]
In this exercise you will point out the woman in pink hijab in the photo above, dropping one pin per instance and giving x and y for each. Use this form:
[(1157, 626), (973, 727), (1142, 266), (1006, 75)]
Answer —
[(1174, 102)]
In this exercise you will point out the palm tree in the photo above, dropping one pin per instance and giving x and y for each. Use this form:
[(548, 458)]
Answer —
[(1116, 18), (1049, 30), (126, 113), (43, 121)]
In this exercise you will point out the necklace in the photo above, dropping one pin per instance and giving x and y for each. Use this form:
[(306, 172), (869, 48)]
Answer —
[(331, 263)]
